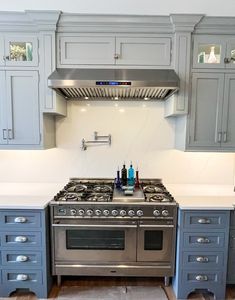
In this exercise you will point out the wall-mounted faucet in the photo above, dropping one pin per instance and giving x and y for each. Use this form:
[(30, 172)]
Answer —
[(98, 139)]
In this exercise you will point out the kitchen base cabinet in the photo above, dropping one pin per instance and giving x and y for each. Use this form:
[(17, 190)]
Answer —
[(231, 251), (201, 254), (24, 250)]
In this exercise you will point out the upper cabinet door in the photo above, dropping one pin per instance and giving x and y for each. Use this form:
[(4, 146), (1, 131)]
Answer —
[(21, 51), (228, 126), (83, 50), (230, 54), (22, 107), (2, 57), (143, 51), (3, 120), (206, 110), (209, 52)]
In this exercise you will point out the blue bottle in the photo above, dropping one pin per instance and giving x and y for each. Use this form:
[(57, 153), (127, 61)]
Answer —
[(131, 175)]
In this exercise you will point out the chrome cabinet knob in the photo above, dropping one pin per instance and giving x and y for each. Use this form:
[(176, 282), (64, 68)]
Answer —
[(201, 278), (21, 258), (21, 239), (98, 212), (114, 212), (156, 213), (131, 213), (122, 212), (139, 213), (73, 211), (116, 56), (106, 212), (203, 240), (202, 259), (89, 212), (165, 213), (20, 220), (22, 277), (81, 212)]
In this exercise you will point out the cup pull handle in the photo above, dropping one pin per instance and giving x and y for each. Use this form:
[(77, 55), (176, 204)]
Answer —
[(22, 277), (204, 221), (201, 278), (202, 240), (20, 220), (21, 258), (202, 259), (20, 239)]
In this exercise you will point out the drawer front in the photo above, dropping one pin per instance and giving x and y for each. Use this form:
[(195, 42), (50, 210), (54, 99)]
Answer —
[(22, 278), (202, 260), (232, 218), (203, 240), (19, 220), (21, 259), (21, 239), (201, 279), (205, 220), (231, 268), (232, 239)]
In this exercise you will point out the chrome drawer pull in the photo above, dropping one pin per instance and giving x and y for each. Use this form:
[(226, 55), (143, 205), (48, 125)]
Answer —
[(203, 221), (20, 220), (21, 239), (202, 259), (203, 240), (201, 278), (22, 277), (21, 258)]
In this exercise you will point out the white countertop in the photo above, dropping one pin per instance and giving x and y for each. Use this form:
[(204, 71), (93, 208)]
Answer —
[(199, 196), (27, 195)]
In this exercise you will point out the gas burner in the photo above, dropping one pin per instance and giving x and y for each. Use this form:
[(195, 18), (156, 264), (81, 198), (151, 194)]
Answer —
[(72, 197), (153, 189), (78, 188), (102, 189), (98, 197), (161, 198)]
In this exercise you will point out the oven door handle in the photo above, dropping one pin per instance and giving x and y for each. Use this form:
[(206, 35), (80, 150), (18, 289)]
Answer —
[(95, 225), (156, 226)]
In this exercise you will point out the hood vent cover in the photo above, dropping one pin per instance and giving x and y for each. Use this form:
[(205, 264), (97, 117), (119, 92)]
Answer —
[(114, 84)]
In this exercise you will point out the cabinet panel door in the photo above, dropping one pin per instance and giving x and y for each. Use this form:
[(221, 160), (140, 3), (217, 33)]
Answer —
[(87, 50), (206, 110), (230, 53), (22, 107), (2, 61), (143, 51), (228, 128), (3, 120)]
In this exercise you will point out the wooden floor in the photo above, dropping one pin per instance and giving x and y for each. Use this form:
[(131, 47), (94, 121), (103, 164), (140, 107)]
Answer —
[(111, 281)]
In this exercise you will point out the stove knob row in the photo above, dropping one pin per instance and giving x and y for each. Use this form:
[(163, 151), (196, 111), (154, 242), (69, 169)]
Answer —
[(157, 213)]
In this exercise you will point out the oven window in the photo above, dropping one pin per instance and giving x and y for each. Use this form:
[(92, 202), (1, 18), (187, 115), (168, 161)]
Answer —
[(95, 239), (153, 240)]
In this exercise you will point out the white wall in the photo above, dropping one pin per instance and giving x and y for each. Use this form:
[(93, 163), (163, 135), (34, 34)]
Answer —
[(140, 134), (149, 7)]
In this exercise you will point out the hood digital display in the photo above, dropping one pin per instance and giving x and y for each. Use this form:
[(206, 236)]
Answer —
[(113, 83)]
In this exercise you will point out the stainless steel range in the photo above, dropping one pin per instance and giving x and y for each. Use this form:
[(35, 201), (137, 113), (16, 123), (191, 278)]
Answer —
[(99, 230)]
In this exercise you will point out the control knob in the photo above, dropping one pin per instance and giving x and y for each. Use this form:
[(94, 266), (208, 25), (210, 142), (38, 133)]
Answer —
[(114, 212), (139, 213), (165, 213), (89, 212), (81, 212), (73, 211), (122, 212), (106, 212), (97, 212), (156, 212), (131, 213)]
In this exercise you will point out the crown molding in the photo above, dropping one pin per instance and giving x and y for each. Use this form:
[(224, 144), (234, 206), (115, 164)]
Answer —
[(216, 25), (185, 22)]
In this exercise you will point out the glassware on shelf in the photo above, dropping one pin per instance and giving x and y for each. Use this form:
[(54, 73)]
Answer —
[(212, 58)]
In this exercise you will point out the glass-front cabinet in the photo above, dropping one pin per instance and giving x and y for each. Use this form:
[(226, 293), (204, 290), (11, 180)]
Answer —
[(19, 51), (213, 52)]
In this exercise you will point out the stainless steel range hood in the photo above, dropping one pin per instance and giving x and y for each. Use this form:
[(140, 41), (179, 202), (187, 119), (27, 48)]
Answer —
[(110, 84)]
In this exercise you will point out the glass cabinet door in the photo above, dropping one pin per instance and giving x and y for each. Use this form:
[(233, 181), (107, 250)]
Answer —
[(209, 52), (230, 55), (21, 51)]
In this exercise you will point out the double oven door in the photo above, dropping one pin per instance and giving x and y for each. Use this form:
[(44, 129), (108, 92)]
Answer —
[(110, 241)]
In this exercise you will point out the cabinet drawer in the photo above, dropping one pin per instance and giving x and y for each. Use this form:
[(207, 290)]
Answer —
[(232, 218), (21, 259), (22, 278), (21, 239), (201, 279), (203, 240), (232, 239), (204, 220), (203, 260), (20, 219)]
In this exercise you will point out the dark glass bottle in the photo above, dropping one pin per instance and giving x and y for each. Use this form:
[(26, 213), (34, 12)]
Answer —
[(137, 182), (118, 179), (124, 175)]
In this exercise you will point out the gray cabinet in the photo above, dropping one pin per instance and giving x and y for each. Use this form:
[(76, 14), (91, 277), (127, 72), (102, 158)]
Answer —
[(19, 106), (111, 50), (211, 122), (18, 50), (213, 52), (24, 252), (201, 255), (231, 252)]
